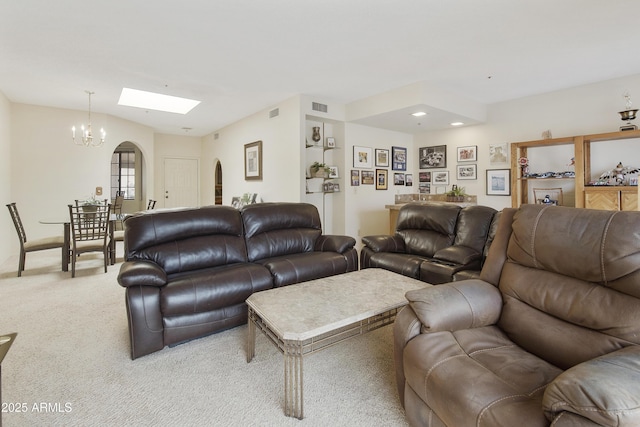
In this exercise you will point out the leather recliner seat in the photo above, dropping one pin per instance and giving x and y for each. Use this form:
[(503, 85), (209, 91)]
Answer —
[(549, 334)]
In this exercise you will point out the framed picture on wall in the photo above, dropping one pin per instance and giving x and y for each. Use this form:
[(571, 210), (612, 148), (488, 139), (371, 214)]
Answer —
[(468, 153), (408, 180), (433, 157), (382, 158), (398, 179), (399, 158), (355, 177), (498, 153), (467, 171), (424, 177), (382, 176), (440, 178), (362, 157), (499, 182), (253, 161), (368, 178)]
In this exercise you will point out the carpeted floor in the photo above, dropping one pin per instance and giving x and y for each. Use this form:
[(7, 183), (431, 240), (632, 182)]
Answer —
[(70, 364)]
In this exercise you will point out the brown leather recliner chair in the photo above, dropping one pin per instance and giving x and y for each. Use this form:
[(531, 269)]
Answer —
[(548, 336)]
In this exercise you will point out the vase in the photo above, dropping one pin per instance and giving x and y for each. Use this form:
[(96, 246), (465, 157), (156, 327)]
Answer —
[(316, 134)]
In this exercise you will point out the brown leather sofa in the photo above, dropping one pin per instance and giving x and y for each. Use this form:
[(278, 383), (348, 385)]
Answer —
[(548, 336), (188, 272), (433, 242)]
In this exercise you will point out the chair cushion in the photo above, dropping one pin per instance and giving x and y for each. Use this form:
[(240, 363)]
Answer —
[(305, 266), (405, 264), (44, 243), (209, 289), (487, 379)]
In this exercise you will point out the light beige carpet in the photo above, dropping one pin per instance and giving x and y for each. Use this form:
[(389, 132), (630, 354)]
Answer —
[(70, 364)]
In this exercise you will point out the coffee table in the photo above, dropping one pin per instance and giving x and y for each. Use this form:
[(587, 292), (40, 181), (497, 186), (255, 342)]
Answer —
[(307, 317)]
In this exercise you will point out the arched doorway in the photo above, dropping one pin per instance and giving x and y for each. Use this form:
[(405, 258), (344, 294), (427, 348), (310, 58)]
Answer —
[(218, 184), (126, 176)]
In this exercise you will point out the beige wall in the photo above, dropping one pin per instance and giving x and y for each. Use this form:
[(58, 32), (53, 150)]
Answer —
[(48, 171), (7, 230)]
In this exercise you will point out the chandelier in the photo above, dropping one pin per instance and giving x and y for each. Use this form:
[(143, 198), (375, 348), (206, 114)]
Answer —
[(87, 137)]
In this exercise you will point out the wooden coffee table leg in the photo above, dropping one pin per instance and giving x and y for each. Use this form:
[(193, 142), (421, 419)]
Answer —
[(293, 390)]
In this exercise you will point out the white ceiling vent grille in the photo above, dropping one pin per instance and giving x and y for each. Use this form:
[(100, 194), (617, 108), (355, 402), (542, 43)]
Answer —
[(274, 113), (316, 106)]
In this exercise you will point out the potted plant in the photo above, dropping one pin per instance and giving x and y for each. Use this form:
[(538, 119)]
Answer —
[(91, 204), (319, 170), (456, 194)]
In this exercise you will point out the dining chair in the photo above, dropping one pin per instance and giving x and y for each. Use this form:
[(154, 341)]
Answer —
[(151, 204), (116, 208), (42, 244), (89, 232)]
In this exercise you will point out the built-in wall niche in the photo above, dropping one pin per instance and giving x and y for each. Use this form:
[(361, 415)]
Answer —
[(552, 158), (605, 155)]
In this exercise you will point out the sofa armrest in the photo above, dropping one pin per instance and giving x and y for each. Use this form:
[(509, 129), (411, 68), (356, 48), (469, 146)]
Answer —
[(457, 305), (458, 254), (143, 273), (333, 243), (384, 243), (604, 390)]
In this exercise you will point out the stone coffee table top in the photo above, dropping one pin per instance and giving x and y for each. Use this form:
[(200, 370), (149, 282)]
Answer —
[(309, 309)]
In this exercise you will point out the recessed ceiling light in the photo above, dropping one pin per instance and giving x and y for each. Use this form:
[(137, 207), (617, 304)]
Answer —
[(156, 101), (457, 124), (419, 114)]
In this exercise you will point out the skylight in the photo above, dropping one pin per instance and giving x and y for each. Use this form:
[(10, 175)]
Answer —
[(156, 101)]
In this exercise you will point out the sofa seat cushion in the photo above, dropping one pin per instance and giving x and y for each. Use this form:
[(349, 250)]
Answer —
[(405, 264), (487, 379), (212, 288), (296, 268)]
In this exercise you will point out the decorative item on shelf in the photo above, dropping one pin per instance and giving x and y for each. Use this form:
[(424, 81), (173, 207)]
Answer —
[(523, 162), (87, 137), (316, 134), (546, 134), (331, 142), (319, 170), (620, 175), (456, 194), (628, 114)]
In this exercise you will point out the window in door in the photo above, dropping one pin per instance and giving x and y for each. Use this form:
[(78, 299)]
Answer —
[(123, 174)]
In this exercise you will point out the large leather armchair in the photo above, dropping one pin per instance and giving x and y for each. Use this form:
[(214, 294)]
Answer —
[(548, 335)]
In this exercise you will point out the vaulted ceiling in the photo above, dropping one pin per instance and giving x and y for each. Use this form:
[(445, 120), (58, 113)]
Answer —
[(241, 56)]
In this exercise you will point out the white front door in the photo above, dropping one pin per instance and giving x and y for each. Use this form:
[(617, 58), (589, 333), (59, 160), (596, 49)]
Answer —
[(181, 178)]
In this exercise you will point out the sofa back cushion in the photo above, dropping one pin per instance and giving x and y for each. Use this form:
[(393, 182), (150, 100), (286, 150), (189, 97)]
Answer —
[(427, 228), (186, 239), (571, 282), (472, 228), (277, 229)]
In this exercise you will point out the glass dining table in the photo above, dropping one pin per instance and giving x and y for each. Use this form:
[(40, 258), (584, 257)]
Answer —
[(66, 225)]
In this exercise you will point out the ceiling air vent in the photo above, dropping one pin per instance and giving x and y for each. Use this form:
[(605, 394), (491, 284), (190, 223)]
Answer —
[(316, 106), (274, 113)]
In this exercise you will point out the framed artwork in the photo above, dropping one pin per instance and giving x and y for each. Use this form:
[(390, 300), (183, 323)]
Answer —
[(382, 179), (468, 153), (424, 177), (362, 157), (467, 171), (368, 178), (253, 161), (433, 157), (398, 179), (408, 180), (336, 187), (399, 158), (424, 188), (440, 178), (355, 177), (333, 172), (499, 182), (498, 153), (331, 142), (382, 158)]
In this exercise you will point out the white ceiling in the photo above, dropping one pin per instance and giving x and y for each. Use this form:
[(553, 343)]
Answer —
[(241, 56)]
